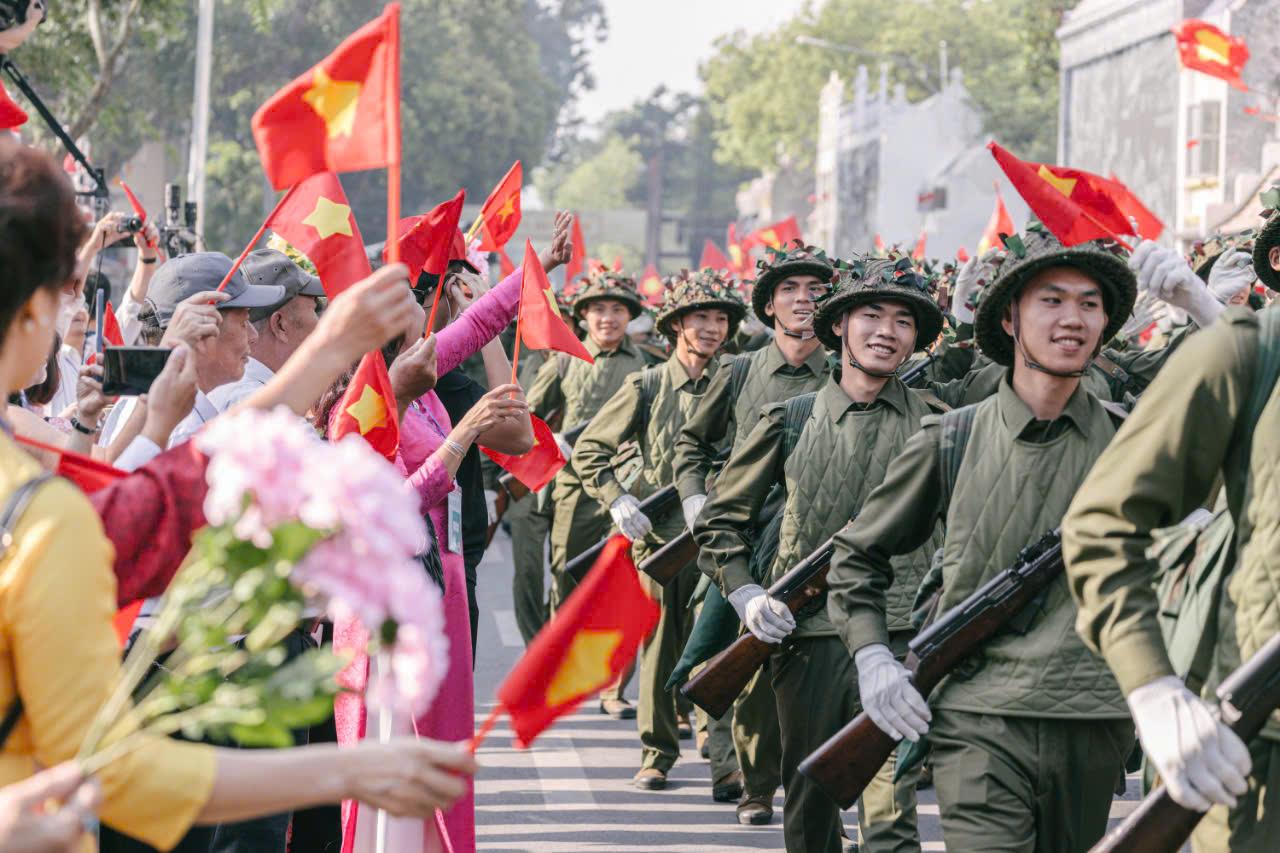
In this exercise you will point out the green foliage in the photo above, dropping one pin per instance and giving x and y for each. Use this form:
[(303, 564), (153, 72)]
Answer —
[(605, 180), (763, 89)]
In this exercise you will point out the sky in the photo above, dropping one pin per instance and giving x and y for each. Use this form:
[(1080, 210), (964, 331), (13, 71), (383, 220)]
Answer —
[(654, 42)]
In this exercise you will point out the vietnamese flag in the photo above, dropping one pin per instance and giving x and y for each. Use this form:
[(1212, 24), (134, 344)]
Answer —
[(111, 327), (584, 647), (537, 467), (917, 254), (879, 243), (506, 265), (712, 257), (774, 236), (538, 322), (578, 255), (999, 223), (11, 115), (500, 214), (962, 254), (1205, 48), (1149, 225), (651, 287), (338, 116), (316, 219), (368, 408), (427, 241), (1076, 206), (617, 264)]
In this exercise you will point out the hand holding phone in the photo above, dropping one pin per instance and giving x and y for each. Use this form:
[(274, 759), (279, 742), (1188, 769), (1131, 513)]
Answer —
[(129, 371)]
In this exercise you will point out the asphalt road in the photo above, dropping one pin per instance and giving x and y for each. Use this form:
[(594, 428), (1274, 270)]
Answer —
[(572, 791)]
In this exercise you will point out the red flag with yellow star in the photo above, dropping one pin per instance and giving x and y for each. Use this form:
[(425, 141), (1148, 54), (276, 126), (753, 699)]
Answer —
[(337, 117), (712, 257), (538, 323), (500, 215), (651, 288), (774, 236), (1205, 48), (999, 223), (1076, 206), (578, 256), (368, 408), (317, 221), (540, 465), (591, 638), (427, 242)]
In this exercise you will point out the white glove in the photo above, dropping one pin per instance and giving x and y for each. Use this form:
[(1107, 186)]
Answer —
[(1201, 761), (967, 284), (1232, 273), (1168, 276), (766, 618), (491, 505), (692, 507), (631, 521), (890, 699)]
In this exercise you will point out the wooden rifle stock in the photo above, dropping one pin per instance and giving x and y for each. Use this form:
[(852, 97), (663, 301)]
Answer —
[(653, 506), (850, 759), (726, 675), (1246, 698), (665, 564)]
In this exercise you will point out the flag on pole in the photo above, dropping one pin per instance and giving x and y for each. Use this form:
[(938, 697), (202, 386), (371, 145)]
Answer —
[(1076, 206), (774, 236), (1149, 225), (505, 264), (500, 214), (338, 116), (739, 260), (999, 223), (917, 254), (578, 256), (591, 638), (651, 289), (537, 467), (368, 408), (11, 115), (712, 257), (879, 243), (538, 322), (111, 327), (316, 219), (1205, 48), (427, 242)]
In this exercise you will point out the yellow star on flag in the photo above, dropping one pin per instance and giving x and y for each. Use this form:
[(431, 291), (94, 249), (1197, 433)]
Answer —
[(770, 237), (508, 208), (1212, 47), (370, 411), (1063, 185), (550, 293), (330, 218), (335, 101), (585, 666)]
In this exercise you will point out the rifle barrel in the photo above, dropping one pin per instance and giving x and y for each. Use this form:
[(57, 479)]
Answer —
[(653, 506)]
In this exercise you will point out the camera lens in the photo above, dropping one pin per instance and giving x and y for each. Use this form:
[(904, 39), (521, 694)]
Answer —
[(130, 225)]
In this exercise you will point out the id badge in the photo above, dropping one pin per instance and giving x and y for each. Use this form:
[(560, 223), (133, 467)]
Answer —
[(455, 520)]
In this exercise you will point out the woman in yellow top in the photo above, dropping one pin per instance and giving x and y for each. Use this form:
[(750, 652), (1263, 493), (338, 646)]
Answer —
[(57, 592)]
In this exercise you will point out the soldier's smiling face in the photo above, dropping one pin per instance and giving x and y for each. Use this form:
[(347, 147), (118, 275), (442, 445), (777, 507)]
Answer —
[(879, 335), (795, 301), (1061, 316), (702, 332), (607, 322)]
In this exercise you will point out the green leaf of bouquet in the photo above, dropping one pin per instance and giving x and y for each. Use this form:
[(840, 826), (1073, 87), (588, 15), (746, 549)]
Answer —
[(271, 735), (292, 540)]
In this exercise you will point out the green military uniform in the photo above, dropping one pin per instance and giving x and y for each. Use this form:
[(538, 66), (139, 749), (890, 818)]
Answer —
[(651, 408), (839, 455), (1031, 734), (727, 413), (1188, 430), (530, 522)]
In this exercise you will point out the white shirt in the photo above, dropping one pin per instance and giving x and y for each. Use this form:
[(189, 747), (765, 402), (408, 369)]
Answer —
[(203, 412), (69, 361), (256, 375)]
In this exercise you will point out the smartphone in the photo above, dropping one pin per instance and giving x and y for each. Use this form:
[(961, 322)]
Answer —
[(129, 371), (99, 317)]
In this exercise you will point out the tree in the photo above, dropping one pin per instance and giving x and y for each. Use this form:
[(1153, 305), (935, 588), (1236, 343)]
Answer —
[(605, 180), (764, 89)]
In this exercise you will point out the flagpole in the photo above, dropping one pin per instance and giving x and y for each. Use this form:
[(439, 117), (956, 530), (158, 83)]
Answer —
[(473, 745), (515, 350), (266, 223), (475, 226), (393, 168)]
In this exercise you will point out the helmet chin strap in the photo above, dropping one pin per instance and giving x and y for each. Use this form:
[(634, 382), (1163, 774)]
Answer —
[(806, 334), (1035, 365), (853, 362), (691, 342)]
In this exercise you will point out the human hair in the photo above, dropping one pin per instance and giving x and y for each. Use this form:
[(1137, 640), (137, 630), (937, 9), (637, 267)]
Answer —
[(40, 227), (42, 394), (323, 409)]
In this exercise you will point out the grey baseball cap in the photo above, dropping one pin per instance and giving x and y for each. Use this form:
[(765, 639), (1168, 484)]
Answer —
[(269, 268), (186, 275)]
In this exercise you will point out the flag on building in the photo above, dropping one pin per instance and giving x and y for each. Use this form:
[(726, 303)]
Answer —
[(316, 219), (500, 214), (368, 408), (591, 638), (537, 467), (338, 116), (1205, 48)]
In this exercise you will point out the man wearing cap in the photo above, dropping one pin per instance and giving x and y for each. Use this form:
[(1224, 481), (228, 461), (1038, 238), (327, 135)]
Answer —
[(787, 288), (278, 328), (577, 390), (1214, 417), (826, 451), (1030, 737), (699, 314)]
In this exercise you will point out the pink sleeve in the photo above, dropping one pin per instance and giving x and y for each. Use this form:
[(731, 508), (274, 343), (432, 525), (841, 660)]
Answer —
[(431, 482), (479, 324)]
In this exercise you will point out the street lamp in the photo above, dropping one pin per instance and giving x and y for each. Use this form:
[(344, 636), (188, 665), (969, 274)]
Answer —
[(911, 62)]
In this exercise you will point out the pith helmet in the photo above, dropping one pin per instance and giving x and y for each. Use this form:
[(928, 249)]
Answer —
[(608, 285), (691, 291), (780, 264), (874, 280)]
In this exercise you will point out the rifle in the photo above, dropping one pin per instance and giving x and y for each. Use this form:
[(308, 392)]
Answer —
[(850, 759), (1246, 699), (726, 675), (917, 371), (511, 490), (664, 565), (658, 503)]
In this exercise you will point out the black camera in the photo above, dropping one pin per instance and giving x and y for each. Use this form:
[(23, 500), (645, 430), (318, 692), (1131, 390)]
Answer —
[(130, 225), (13, 13), (178, 236)]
